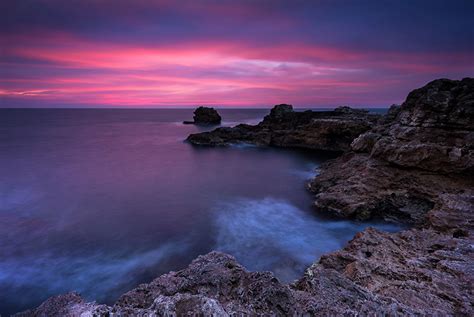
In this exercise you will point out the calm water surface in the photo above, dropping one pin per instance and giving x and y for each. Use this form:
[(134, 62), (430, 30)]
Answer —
[(98, 201)]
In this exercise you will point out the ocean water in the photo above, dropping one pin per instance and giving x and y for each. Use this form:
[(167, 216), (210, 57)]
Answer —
[(97, 201)]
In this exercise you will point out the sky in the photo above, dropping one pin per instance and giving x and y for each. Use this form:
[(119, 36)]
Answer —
[(83, 53)]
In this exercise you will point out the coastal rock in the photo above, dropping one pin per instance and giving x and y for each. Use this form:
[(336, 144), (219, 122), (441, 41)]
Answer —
[(399, 170), (279, 111), (442, 103), (70, 304), (358, 187), (205, 116), (392, 113), (434, 129), (216, 285), (423, 269), (284, 127), (415, 167)]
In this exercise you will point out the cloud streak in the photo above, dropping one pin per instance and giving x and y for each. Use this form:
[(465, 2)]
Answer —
[(153, 54)]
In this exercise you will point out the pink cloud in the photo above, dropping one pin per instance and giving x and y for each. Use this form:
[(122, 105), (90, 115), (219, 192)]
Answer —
[(71, 70)]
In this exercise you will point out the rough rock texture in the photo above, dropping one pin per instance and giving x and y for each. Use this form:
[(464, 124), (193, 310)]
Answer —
[(70, 304), (416, 167), (433, 130), (216, 285), (427, 270), (376, 274), (419, 160), (205, 116), (283, 127), (359, 187)]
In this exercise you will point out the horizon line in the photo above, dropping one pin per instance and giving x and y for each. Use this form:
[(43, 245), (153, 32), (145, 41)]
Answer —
[(186, 107)]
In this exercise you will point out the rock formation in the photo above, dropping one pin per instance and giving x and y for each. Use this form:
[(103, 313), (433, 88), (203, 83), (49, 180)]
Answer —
[(421, 159), (283, 127), (205, 116), (415, 166)]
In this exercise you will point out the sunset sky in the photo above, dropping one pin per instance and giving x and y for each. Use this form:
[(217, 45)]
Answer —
[(228, 53)]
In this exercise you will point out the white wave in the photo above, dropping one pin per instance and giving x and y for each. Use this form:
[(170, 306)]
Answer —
[(94, 276), (271, 234)]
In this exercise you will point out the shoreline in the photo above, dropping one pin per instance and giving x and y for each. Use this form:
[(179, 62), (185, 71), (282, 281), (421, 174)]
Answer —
[(412, 165)]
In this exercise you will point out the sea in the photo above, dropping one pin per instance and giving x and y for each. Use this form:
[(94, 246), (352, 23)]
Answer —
[(98, 201)]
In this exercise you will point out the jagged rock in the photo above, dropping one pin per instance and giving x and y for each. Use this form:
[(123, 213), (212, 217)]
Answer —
[(423, 269), (434, 129), (358, 187), (283, 127), (279, 111), (370, 183), (216, 285), (365, 142), (392, 113), (442, 103), (205, 116), (415, 167), (68, 305), (349, 110)]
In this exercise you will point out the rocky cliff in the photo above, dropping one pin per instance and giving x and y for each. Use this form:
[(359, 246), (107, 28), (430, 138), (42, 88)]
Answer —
[(414, 166)]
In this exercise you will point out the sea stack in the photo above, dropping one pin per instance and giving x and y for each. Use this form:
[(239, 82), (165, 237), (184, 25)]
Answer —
[(205, 116)]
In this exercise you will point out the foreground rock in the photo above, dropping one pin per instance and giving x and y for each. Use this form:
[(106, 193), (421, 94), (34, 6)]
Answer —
[(216, 285), (205, 116), (427, 270), (283, 127), (376, 274)]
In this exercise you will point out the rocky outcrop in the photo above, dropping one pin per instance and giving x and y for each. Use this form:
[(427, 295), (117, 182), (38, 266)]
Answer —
[(416, 167), (284, 127), (433, 131), (205, 116), (376, 274), (216, 285), (414, 162), (430, 272), (70, 304)]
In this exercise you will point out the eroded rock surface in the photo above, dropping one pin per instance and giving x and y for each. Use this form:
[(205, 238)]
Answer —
[(283, 127), (416, 167), (216, 285), (417, 161)]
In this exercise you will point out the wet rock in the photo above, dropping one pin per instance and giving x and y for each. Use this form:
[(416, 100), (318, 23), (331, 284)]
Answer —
[(283, 127), (205, 116)]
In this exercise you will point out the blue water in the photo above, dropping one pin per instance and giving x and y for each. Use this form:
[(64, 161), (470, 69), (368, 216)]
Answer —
[(98, 201)]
